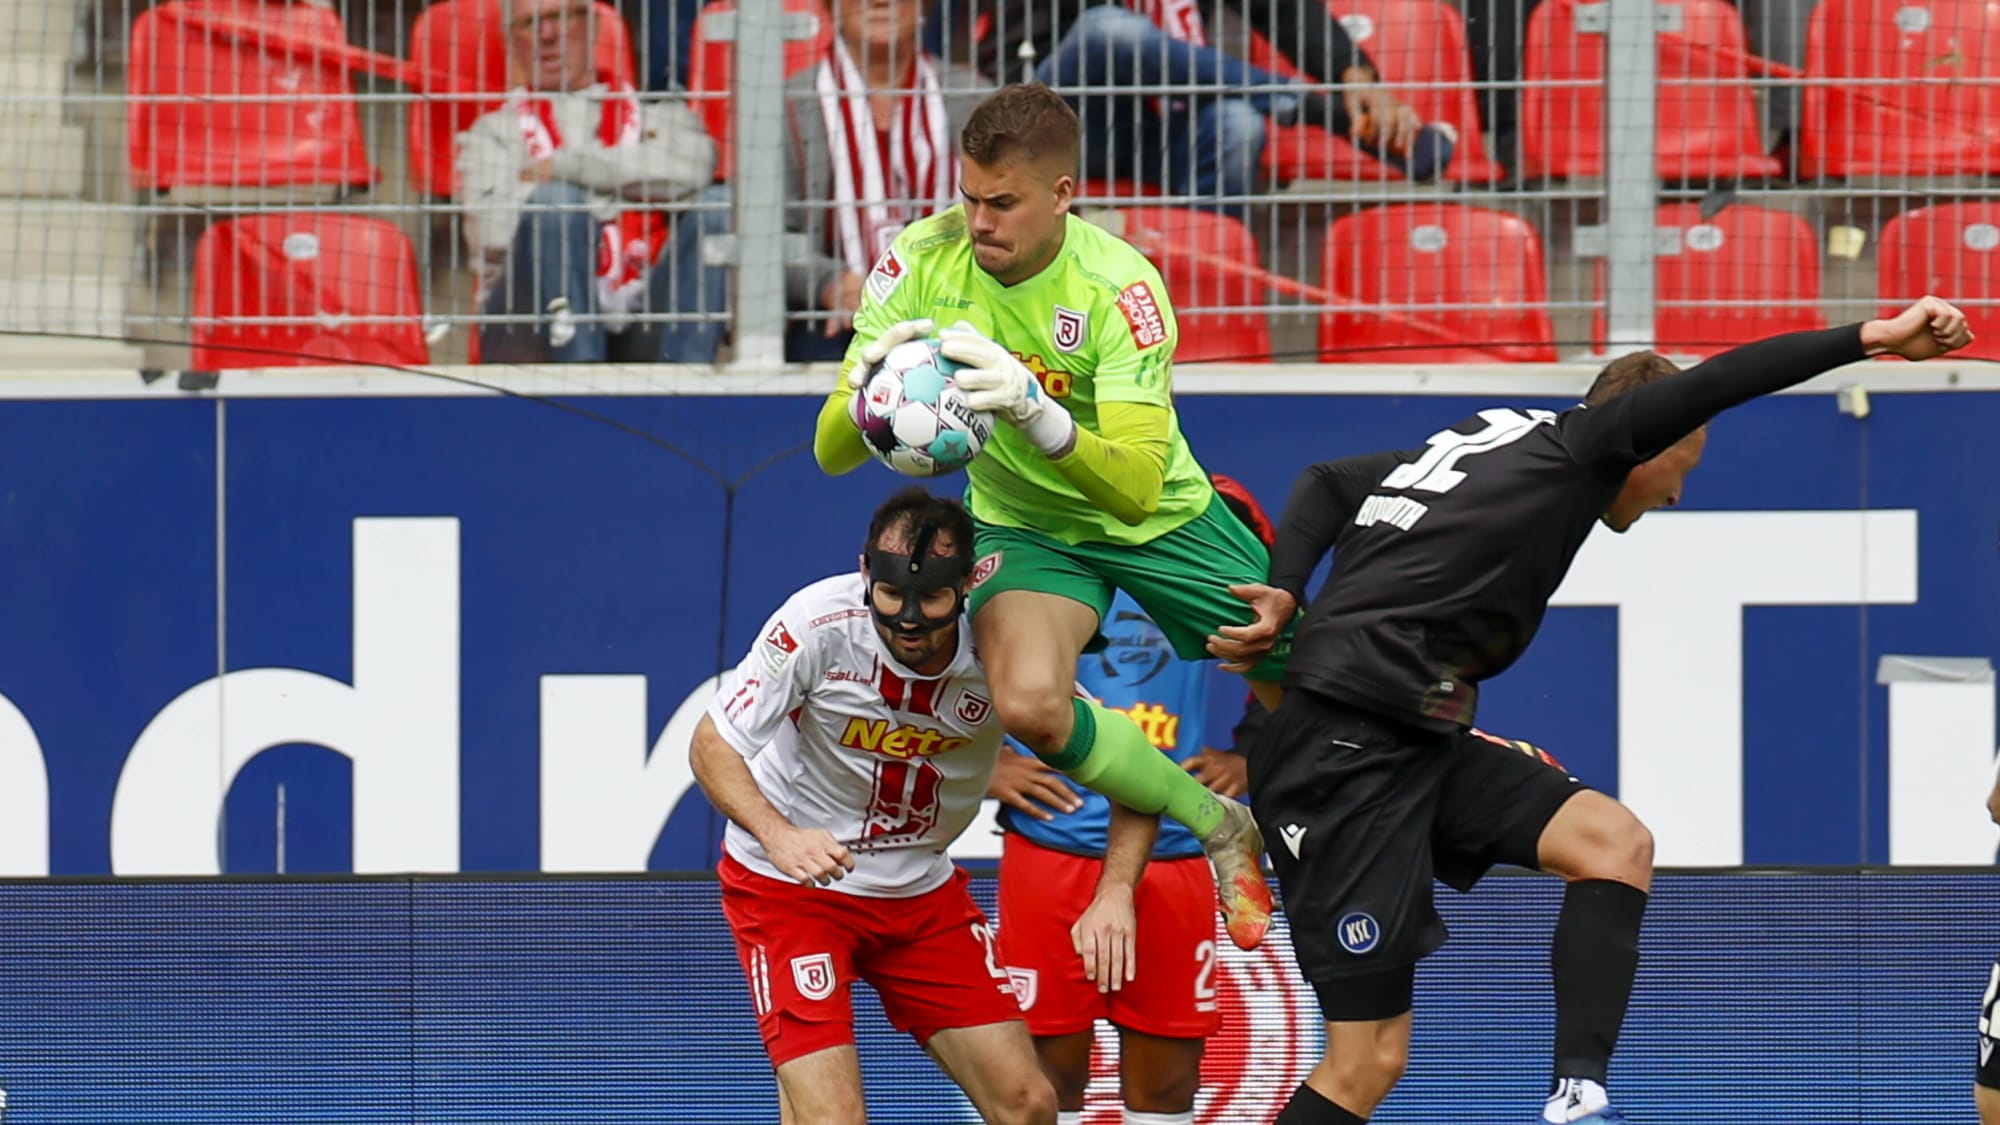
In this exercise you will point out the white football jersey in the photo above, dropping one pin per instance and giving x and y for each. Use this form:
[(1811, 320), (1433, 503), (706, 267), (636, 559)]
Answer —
[(841, 736)]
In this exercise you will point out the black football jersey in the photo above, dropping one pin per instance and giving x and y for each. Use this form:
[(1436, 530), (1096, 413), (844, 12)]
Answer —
[(1446, 555)]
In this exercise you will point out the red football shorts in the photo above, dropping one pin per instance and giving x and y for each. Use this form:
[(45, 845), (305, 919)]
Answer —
[(1043, 892), (932, 958)]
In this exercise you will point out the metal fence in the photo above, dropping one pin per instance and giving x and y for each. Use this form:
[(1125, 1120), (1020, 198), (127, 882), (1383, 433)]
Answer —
[(273, 183)]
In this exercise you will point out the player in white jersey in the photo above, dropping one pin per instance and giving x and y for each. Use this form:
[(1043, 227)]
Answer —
[(848, 750)]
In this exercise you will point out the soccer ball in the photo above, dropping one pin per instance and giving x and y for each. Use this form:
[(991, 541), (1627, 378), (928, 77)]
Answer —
[(914, 419)]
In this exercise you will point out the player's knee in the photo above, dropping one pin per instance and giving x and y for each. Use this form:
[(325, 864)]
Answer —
[(1029, 1100), (1595, 837), (1639, 844), (1624, 843), (1036, 710)]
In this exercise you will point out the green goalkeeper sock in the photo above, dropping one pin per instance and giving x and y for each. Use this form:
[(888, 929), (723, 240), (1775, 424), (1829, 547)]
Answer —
[(1108, 752)]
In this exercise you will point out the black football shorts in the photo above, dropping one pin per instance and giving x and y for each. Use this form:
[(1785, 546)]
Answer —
[(1360, 813)]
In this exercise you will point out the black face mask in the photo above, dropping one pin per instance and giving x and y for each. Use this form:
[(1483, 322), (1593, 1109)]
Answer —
[(913, 576)]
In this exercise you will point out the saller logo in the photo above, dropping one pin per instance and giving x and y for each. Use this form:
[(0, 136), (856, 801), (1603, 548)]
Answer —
[(1142, 313)]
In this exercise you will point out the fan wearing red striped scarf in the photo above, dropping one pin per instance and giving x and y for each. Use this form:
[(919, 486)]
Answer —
[(873, 146), (892, 162), (559, 190)]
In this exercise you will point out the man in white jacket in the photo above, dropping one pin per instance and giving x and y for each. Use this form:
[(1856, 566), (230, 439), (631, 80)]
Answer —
[(557, 184), (871, 144)]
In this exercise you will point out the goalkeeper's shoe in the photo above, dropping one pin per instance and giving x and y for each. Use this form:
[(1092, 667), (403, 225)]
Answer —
[(1236, 852)]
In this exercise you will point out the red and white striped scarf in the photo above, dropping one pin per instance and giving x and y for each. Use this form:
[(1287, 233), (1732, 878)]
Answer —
[(628, 245), (873, 198), (1180, 19)]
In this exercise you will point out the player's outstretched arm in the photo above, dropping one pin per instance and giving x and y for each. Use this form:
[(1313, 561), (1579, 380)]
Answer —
[(837, 434), (837, 443), (1661, 413), (1926, 330), (809, 856)]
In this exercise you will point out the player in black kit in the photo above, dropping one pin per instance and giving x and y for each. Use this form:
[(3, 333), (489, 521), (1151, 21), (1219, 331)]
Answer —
[(1369, 782)]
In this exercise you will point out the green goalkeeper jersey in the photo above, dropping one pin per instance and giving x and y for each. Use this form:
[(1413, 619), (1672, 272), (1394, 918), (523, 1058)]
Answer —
[(1094, 327)]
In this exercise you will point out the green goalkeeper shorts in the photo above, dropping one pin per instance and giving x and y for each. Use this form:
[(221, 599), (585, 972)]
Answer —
[(1180, 579)]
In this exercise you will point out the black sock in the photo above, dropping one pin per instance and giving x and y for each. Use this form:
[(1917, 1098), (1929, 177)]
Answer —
[(1310, 1107), (1593, 959)]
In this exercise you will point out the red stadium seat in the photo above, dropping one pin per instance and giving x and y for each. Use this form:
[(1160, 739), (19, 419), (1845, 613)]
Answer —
[(1931, 117), (1706, 126), (1171, 235), (461, 40), (1436, 254), (1951, 250), (711, 63), (1423, 41), (325, 268), (309, 140), (1763, 258)]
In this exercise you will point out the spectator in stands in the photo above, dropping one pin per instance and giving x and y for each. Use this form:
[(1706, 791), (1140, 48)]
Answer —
[(556, 184), (874, 146), (665, 29), (1494, 31), (1208, 147)]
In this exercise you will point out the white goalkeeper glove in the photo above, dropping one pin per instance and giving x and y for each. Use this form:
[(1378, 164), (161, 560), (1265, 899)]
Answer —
[(994, 380), (872, 354), (891, 338)]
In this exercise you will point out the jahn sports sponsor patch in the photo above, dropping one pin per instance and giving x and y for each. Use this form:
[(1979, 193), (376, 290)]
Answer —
[(1142, 313)]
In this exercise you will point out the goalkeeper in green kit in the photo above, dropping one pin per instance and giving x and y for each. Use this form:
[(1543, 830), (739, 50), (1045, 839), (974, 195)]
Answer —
[(1067, 335)]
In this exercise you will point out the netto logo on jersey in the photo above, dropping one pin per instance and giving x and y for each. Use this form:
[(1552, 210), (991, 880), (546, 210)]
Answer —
[(1161, 726), (876, 736), (1055, 384)]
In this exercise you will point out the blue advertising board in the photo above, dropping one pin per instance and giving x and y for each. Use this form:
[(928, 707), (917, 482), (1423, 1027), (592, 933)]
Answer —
[(436, 634), (1802, 999)]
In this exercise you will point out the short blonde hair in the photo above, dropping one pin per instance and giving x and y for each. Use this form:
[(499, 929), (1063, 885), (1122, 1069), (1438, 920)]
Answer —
[(1027, 121)]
